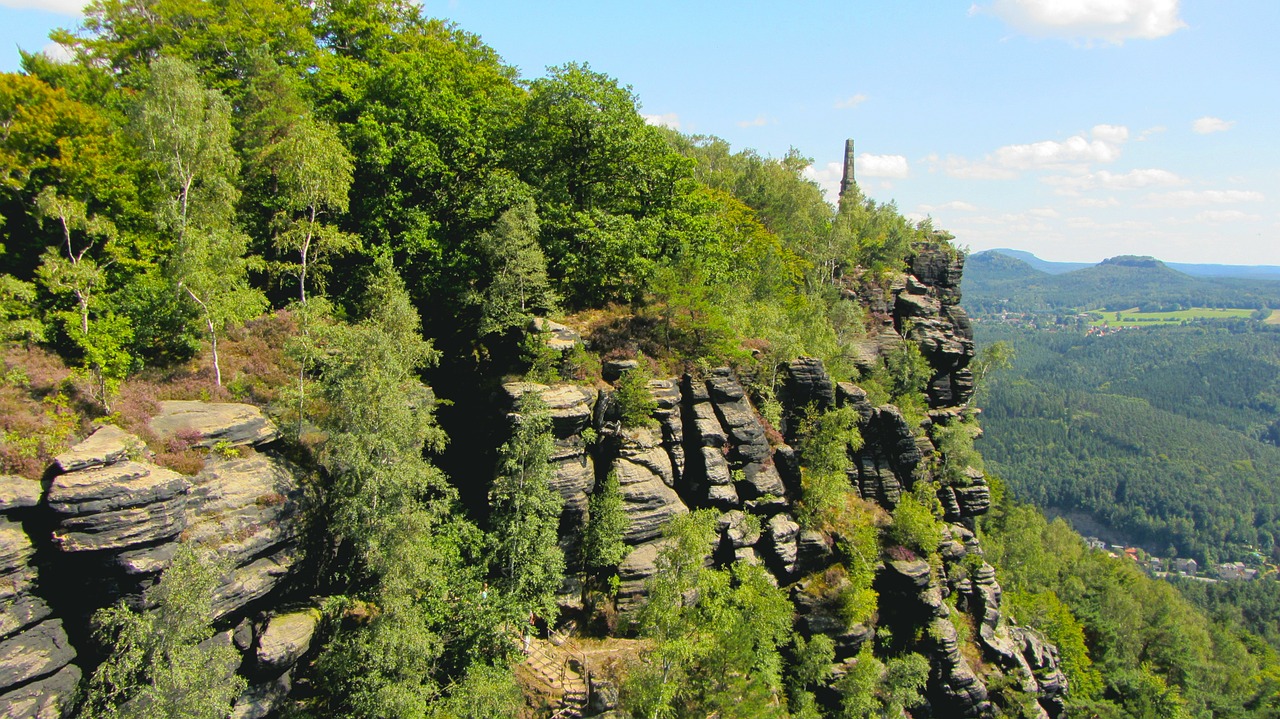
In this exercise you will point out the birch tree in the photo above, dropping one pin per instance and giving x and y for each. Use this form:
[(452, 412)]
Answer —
[(186, 134)]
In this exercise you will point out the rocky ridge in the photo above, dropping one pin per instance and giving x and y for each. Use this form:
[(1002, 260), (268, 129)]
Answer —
[(710, 448)]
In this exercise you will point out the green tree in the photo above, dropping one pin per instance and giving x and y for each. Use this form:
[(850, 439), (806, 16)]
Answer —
[(606, 182), (635, 402), (160, 666), (186, 131), (104, 346), (602, 545), (883, 690), (314, 175), (18, 320), (525, 512), (518, 287)]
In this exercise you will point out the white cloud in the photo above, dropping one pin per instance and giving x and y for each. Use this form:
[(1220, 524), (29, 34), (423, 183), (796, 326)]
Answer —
[(1074, 153), (759, 121), (61, 7), (1046, 212), (1131, 180), (57, 52), (1206, 125), (667, 119), (1150, 132), (1225, 216), (851, 101), (1096, 202), (827, 177), (1105, 147), (1112, 21), (892, 166), (957, 205), (965, 169), (1185, 198), (1114, 134)]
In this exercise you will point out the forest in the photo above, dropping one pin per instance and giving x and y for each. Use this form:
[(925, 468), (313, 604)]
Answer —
[(350, 215), (1166, 434)]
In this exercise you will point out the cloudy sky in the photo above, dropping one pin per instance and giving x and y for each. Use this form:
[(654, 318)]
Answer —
[(1076, 129)]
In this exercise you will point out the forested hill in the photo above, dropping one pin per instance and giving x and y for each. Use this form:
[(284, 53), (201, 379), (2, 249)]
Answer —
[(348, 373), (996, 282), (1256, 272), (1166, 436)]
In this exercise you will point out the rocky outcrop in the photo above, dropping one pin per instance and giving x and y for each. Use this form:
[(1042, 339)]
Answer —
[(708, 447), (210, 423), (110, 522), (36, 675)]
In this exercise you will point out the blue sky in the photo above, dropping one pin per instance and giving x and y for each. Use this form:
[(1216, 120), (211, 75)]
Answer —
[(1076, 129)]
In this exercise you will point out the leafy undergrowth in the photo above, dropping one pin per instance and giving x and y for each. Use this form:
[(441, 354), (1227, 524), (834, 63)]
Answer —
[(46, 407)]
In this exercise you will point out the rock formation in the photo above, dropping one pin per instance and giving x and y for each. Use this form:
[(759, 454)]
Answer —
[(108, 522), (710, 448)]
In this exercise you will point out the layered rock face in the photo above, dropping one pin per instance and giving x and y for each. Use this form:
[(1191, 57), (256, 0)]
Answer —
[(109, 521), (710, 448)]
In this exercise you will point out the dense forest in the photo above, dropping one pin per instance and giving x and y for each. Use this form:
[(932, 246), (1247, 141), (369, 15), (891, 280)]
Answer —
[(351, 216), (1166, 435)]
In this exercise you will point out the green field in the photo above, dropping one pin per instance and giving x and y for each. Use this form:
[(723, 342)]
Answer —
[(1134, 318)]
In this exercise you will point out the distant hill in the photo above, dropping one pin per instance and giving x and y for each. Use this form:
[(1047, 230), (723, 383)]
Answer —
[(1250, 272), (995, 281), (1049, 266)]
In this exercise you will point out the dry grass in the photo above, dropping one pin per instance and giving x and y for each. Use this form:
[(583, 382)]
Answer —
[(44, 410)]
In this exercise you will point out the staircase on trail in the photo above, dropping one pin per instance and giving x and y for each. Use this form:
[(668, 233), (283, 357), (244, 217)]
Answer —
[(555, 664)]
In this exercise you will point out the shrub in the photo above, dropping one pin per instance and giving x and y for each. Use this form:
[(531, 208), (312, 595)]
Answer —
[(914, 525), (635, 403)]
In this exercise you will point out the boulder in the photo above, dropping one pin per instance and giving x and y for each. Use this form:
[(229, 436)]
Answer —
[(107, 445), (213, 422), (122, 528), (37, 652), (707, 431), (261, 700), (252, 581), (781, 534), (738, 530), (569, 405), (48, 698), (286, 638), (560, 337), (243, 507), (612, 370), (806, 383), (573, 475), (635, 569), (647, 499), (18, 492)]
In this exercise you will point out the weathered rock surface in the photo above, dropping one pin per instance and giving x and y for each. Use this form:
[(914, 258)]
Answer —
[(107, 445), (18, 492), (37, 652), (15, 546), (209, 423), (48, 698), (286, 638), (261, 700), (559, 337)]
